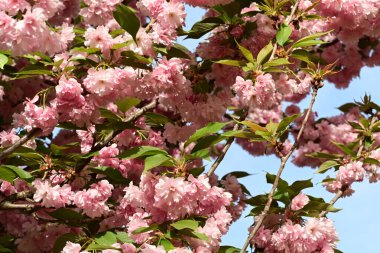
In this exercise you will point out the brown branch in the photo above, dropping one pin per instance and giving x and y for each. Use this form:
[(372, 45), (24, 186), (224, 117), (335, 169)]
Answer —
[(6, 205), (284, 160), (337, 196), (226, 147), (18, 143), (113, 134), (222, 154)]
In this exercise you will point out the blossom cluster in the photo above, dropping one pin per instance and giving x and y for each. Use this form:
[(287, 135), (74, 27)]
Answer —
[(101, 110)]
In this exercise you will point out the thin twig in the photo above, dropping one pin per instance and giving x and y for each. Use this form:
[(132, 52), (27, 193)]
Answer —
[(9, 205), (227, 146), (337, 196), (18, 143), (284, 160), (290, 18), (220, 158)]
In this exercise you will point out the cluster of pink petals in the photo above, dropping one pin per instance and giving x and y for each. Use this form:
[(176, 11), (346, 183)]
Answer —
[(169, 199), (93, 200), (52, 196), (24, 35), (315, 235), (98, 12), (318, 137), (44, 118), (299, 201)]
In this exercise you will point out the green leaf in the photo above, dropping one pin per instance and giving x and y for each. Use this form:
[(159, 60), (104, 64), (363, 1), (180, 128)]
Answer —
[(347, 107), (61, 241), (156, 119), (91, 50), (209, 129), (21, 173), (178, 51), (276, 63), (33, 72), (327, 165), (145, 229), (246, 53), (207, 141), (66, 214), (123, 237), (345, 149), (112, 174), (194, 234), (253, 126), (127, 103), (324, 155), (202, 27), (264, 54), (105, 113), (7, 175), (155, 161), (136, 57), (237, 174), (3, 60), (234, 63), (283, 34), (310, 40), (141, 151), (283, 196), (298, 186), (184, 224), (370, 160), (228, 249), (259, 200), (94, 247), (282, 184), (309, 43), (127, 19), (167, 244), (106, 238), (121, 45), (285, 122)]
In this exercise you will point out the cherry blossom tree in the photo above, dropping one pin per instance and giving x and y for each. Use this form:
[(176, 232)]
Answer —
[(107, 123)]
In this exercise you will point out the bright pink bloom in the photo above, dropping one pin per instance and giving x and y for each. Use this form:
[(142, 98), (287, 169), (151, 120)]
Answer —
[(299, 201)]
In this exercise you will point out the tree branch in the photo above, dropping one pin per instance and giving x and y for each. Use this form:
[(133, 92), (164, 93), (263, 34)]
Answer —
[(222, 154), (18, 143), (284, 160), (6, 205)]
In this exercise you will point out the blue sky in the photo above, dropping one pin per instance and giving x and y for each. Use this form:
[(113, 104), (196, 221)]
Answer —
[(357, 224)]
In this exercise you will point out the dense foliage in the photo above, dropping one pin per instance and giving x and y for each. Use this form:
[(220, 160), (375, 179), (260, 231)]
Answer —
[(107, 122)]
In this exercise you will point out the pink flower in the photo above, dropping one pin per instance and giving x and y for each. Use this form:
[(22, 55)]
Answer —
[(173, 14), (99, 38), (299, 201), (71, 248), (128, 248), (244, 89), (265, 91), (7, 138), (93, 200), (69, 95), (37, 117), (352, 172), (153, 249), (56, 196)]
